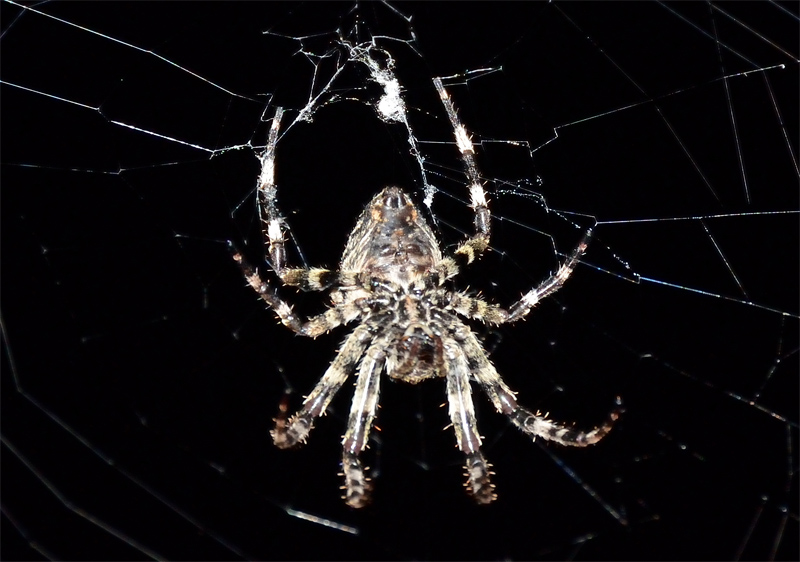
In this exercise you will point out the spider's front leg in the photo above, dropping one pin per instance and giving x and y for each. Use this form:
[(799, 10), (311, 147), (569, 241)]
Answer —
[(462, 416), (293, 432), (476, 244), (272, 222)]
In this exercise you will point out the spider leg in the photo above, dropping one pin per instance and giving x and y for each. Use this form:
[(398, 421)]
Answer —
[(478, 309), (519, 309), (362, 414), (296, 430), (312, 327), (308, 279), (462, 415), (533, 424), (474, 246)]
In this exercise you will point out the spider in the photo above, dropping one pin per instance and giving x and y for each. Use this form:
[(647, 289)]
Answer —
[(393, 280)]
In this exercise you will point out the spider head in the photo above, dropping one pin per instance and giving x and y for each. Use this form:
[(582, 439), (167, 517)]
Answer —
[(391, 240)]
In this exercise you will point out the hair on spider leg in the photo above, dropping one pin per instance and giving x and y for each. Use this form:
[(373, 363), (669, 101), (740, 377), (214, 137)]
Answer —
[(283, 411)]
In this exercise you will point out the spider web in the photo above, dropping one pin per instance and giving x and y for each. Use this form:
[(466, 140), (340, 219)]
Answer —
[(140, 374)]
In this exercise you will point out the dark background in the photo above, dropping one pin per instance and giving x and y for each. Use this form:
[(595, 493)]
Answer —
[(140, 374)]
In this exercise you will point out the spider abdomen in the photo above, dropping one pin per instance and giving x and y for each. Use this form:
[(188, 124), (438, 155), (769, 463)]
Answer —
[(419, 355)]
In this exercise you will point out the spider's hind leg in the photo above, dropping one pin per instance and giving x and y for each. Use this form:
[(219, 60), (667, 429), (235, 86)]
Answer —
[(533, 424), (362, 413), (505, 400), (537, 425), (462, 415), (295, 431)]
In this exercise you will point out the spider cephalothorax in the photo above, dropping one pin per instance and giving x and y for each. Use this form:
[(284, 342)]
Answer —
[(392, 242), (392, 281)]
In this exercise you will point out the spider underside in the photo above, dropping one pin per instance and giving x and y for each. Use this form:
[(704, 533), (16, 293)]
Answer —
[(393, 281)]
